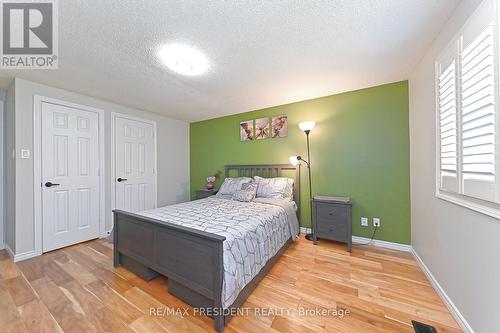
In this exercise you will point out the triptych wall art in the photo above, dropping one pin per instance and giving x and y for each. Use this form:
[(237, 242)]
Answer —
[(264, 128)]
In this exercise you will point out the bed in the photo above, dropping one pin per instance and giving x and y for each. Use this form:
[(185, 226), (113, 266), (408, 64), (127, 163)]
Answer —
[(214, 251)]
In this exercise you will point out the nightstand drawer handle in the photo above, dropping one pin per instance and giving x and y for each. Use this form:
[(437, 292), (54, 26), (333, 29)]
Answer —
[(331, 213)]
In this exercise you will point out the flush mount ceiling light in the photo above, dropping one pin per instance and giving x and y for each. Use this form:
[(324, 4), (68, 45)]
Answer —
[(183, 59)]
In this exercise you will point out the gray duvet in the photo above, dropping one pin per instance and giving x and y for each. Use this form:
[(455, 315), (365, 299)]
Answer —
[(254, 232)]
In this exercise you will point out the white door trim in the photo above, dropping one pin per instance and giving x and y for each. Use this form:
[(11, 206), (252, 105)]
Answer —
[(115, 115), (37, 162), (3, 182)]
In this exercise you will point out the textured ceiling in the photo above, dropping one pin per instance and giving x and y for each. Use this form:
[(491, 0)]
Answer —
[(262, 53)]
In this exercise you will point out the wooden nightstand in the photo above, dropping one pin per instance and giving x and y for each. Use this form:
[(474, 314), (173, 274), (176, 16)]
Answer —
[(332, 219), (204, 193)]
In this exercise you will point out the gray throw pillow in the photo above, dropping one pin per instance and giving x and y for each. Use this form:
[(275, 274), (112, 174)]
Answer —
[(247, 193), (231, 185)]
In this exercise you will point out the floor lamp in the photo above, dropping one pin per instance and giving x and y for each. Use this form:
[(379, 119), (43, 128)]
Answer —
[(306, 127)]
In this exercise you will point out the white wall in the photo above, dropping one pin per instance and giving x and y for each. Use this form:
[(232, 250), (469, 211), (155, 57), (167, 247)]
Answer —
[(10, 168), (172, 155), (459, 246)]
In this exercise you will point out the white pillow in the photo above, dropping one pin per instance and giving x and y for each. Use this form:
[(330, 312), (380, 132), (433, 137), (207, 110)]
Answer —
[(231, 185), (279, 187)]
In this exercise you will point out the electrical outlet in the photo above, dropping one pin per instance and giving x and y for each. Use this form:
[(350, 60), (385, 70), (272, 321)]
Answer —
[(376, 222), (364, 221)]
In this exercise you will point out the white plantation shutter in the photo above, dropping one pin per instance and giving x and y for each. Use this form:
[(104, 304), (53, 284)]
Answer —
[(447, 100), (467, 104), (478, 98)]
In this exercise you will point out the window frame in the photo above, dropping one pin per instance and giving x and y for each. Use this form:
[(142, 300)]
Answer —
[(485, 207)]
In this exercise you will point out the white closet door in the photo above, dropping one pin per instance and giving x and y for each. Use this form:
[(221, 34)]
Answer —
[(134, 165), (70, 176)]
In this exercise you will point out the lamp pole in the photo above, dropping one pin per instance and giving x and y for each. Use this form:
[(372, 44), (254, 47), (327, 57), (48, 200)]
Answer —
[(306, 127), (309, 236)]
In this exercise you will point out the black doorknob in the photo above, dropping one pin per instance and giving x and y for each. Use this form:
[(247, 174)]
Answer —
[(121, 179), (49, 184)]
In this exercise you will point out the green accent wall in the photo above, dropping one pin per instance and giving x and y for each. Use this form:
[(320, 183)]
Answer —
[(359, 148)]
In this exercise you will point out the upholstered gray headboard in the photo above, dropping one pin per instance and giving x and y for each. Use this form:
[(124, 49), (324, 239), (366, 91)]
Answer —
[(269, 171)]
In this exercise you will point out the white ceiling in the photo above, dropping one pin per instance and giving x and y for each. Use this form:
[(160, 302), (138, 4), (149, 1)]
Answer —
[(262, 53)]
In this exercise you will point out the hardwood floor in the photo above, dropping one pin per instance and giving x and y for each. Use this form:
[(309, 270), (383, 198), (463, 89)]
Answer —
[(76, 289)]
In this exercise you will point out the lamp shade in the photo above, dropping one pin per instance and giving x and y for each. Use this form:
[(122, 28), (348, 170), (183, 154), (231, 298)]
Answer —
[(294, 160), (307, 125)]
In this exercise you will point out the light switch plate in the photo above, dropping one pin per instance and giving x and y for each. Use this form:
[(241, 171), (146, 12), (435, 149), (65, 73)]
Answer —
[(364, 221), (25, 153)]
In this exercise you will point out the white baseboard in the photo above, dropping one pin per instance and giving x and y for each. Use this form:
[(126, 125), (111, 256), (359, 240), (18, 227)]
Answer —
[(464, 325), (305, 230), (24, 256), (19, 256), (9, 250), (381, 243)]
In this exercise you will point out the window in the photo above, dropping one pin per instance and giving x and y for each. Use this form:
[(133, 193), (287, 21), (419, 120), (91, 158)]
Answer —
[(467, 101)]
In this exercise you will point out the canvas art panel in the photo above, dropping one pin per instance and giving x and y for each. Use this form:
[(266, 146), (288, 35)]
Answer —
[(246, 130), (262, 130), (279, 126)]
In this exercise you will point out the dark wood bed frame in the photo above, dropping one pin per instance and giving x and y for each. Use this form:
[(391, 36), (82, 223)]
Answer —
[(191, 259)]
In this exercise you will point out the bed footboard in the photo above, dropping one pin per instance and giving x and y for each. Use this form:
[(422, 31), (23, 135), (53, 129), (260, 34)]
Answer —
[(192, 260)]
